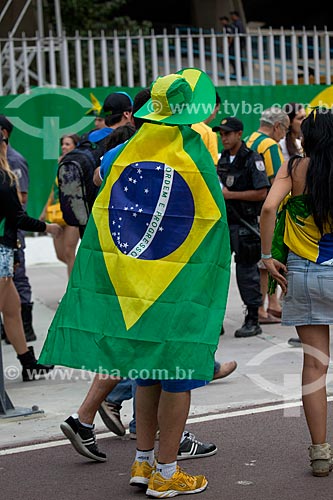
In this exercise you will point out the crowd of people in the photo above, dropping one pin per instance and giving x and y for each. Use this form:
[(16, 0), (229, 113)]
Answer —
[(273, 189)]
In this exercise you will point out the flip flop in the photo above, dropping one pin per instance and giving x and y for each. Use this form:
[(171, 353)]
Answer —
[(275, 313), (269, 320)]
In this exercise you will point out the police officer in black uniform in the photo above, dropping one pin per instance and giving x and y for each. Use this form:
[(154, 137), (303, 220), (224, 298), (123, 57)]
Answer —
[(244, 185)]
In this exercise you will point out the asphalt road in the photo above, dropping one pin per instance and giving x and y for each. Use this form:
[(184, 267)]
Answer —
[(260, 456)]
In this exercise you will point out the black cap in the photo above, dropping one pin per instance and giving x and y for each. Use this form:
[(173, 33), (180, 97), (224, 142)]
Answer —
[(5, 124), (116, 104), (230, 124)]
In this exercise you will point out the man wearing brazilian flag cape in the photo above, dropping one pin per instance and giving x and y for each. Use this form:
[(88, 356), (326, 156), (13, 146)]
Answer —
[(148, 291)]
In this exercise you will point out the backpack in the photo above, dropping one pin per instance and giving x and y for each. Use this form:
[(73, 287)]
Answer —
[(77, 192)]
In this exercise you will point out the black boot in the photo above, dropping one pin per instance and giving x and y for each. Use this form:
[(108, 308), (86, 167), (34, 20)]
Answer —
[(251, 325), (32, 369), (26, 313)]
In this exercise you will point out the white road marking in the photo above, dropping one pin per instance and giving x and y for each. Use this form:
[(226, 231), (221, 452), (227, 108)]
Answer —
[(195, 420)]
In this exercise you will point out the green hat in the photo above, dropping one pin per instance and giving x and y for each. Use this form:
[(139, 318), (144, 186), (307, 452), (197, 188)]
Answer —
[(181, 98)]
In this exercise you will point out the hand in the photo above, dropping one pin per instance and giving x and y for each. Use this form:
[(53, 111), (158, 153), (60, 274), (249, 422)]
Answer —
[(277, 270), (54, 229), (226, 193)]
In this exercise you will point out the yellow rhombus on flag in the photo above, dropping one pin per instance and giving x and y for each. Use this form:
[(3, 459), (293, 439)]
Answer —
[(135, 292)]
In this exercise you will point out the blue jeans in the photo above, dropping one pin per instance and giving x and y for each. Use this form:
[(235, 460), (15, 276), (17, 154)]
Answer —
[(309, 296), (6, 262)]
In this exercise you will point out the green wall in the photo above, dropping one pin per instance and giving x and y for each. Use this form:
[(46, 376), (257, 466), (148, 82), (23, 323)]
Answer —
[(43, 116)]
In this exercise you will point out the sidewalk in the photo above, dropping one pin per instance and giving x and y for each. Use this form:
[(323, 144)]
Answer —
[(268, 369)]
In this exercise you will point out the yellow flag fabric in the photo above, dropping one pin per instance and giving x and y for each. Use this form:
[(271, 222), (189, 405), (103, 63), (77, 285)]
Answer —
[(303, 237)]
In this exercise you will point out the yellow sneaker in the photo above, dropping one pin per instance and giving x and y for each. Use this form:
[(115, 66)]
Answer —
[(180, 483), (140, 474)]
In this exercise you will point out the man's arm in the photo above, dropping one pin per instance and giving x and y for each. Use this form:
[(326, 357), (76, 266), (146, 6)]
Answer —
[(97, 180), (250, 195)]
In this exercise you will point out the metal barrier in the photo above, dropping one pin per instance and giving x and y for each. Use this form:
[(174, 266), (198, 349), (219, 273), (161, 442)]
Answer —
[(7, 408), (5, 403), (259, 57)]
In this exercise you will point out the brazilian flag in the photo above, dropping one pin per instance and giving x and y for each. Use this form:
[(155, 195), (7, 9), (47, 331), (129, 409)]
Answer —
[(148, 291)]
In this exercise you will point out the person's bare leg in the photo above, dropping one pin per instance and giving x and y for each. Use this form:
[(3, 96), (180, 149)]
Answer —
[(11, 310), (173, 411), (274, 301), (71, 239), (315, 338), (99, 389), (225, 369), (58, 244), (146, 408), (264, 289)]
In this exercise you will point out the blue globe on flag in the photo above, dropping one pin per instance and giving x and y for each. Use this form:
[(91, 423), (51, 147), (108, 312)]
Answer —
[(151, 210)]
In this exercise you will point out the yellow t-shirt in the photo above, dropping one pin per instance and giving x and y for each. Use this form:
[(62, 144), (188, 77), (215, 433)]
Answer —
[(303, 237), (209, 138), (269, 149), (300, 232)]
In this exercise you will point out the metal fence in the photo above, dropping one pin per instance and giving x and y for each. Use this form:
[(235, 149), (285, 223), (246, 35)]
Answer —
[(260, 57)]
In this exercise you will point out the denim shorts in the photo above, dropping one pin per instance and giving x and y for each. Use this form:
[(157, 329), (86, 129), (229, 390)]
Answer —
[(309, 297), (6, 262), (173, 385)]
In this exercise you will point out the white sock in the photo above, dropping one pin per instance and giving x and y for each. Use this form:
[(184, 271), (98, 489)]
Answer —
[(76, 416), (145, 456), (166, 470)]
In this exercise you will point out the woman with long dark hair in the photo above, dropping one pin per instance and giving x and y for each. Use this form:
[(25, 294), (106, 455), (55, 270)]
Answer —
[(298, 254), (291, 144)]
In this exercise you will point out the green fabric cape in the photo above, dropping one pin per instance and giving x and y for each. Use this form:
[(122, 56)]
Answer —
[(159, 318)]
